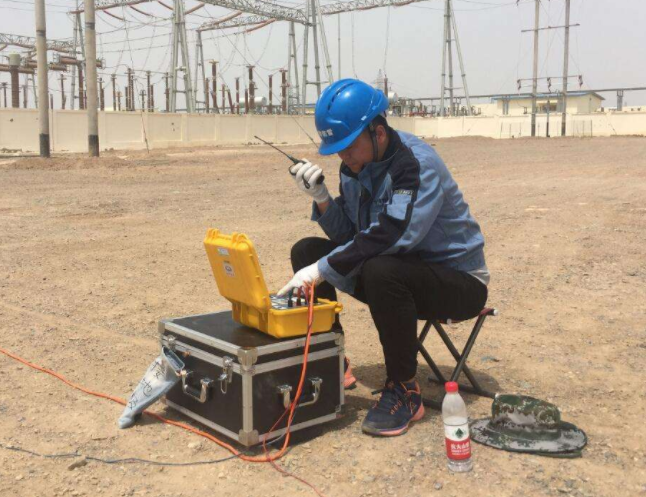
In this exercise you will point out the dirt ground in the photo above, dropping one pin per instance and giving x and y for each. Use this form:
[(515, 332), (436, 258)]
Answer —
[(94, 252)]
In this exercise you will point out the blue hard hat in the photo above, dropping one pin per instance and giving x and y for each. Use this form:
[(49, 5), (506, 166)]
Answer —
[(344, 110)]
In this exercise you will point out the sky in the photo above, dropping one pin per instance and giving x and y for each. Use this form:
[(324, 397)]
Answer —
[(608, 49)]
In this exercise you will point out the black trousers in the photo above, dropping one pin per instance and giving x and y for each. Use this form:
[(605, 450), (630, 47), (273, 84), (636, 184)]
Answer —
[(400, 290)]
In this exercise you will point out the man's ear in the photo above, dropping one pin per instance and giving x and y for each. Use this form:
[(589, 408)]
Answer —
[(381, 133)]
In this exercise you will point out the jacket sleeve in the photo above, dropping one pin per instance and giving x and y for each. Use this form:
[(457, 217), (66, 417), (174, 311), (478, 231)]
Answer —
[(335, 222), (407, 217)]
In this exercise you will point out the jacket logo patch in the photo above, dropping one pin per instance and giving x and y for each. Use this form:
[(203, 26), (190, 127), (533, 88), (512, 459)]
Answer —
[(403, 192)]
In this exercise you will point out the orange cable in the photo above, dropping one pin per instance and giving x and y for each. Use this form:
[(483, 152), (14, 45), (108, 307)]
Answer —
[(268, 457)]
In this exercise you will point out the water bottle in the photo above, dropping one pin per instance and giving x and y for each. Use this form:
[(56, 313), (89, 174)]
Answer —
[(456, 430)]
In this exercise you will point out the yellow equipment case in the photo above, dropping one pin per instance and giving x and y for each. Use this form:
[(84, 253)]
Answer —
[(239, 279)]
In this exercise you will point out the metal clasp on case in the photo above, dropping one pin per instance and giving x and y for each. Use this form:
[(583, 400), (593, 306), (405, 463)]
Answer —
[(286, 392), (201, 395), (227, 374)]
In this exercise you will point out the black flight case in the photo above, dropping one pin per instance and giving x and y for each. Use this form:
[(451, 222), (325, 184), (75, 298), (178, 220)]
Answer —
[(238, 381)]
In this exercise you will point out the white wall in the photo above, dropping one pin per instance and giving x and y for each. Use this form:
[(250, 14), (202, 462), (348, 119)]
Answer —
[(131, 130)]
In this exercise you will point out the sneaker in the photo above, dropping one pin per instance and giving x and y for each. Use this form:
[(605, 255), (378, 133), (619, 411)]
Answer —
[(399, 405), (349, 381)]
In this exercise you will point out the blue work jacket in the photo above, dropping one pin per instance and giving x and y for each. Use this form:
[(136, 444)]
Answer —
[(406, 203)]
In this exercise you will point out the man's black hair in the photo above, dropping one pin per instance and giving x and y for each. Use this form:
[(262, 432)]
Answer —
[(380, 121), (377, 121)]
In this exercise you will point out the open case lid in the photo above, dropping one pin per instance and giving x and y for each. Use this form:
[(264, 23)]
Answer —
[(236, 269)]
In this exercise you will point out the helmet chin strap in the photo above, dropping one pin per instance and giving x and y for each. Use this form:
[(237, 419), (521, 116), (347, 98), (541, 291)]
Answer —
[(373, 137)]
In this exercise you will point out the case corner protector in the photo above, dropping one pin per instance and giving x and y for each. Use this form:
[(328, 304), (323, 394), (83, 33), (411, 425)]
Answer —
[(248, 438)]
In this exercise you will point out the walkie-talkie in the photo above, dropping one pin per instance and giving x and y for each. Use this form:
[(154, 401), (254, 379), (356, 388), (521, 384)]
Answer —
[(320, 179)]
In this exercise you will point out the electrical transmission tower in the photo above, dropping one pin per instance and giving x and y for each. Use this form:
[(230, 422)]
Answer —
[(314, 15), (451, 31), (566, 76), (180, 43)]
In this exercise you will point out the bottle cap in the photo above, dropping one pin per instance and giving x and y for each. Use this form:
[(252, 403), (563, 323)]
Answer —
[(451, 386)]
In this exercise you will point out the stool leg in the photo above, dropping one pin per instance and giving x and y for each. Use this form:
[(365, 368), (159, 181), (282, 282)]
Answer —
[(467, 350), (431, 363), (461, 358), (425, 330)]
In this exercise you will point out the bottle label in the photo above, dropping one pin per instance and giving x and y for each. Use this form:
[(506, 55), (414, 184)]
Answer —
[(458, 443)]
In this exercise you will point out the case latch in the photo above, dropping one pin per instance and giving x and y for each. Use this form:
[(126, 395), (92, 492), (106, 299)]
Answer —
[(285, 391), (227, 374)]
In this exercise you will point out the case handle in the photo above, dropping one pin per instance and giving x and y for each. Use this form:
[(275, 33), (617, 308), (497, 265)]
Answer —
[(202, 394), (285, 391)]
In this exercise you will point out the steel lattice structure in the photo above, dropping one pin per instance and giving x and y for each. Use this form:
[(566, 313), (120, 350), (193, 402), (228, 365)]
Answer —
[(326, 10), (268, 9), (30, 43)]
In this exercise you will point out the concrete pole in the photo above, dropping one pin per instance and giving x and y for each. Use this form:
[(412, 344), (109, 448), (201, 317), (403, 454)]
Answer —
[(566, 59), (271, 87), (149, 93), (101, 95), (223, 89), (214, 83), (81, 84), (15, 87), (167, 92), (119, 101), (114, 92), (133, 98), (547, 128), (43, 90), (252, 92), (207, 104), (283, 88), (63, 96), (237, 95), (535, 71), (91, 79), (74, 67), (25, 94), (4, 92)]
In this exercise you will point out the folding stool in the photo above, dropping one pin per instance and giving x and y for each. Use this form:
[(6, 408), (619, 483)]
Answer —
[(461, 359)]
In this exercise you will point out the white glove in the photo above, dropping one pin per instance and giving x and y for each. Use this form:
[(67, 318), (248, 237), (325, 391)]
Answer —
[(306, 171), (307, 276)]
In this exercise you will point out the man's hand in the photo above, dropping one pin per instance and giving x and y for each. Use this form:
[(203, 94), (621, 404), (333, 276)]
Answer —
[(306, 171), (307, 276)]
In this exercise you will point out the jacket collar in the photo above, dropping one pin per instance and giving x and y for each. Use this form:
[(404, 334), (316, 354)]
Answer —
[(373, 173)]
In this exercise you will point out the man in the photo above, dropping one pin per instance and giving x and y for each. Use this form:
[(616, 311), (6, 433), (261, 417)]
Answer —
[(401, 239)]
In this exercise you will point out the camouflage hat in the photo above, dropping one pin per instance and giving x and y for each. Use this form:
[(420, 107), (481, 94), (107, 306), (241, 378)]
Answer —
[(524, 424)]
